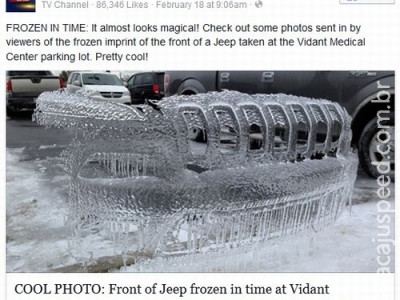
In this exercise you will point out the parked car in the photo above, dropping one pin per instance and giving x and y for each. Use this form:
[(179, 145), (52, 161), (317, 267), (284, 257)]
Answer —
[(23, 88), (368, 96), (99, 85), (146, 86)]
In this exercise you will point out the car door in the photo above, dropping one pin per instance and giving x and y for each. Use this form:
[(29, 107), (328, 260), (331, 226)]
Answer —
[(137, 87), (144, 86), (130, 86)]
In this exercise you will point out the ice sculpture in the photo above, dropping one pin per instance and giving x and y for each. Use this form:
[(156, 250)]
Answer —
[(204, 172)]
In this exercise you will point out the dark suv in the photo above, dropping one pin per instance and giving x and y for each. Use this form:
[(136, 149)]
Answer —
[(144, 86)]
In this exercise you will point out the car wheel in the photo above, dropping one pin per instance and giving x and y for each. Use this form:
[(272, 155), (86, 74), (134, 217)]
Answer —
[(376, 147), (10, 112)]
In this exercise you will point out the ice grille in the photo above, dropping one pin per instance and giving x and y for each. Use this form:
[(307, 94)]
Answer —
[(263, 167)]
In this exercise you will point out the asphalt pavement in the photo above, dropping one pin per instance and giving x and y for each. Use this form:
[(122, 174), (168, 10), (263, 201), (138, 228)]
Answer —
[(37, 141)]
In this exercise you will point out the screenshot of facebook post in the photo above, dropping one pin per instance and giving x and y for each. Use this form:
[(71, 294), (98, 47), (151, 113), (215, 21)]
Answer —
[(211, 149)]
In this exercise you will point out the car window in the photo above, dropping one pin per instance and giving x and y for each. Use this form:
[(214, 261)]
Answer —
[(100, 79), (147, 78), (69, 81), (75, 77), (131, 81), (160, 78), (28, 73), (138, 79)]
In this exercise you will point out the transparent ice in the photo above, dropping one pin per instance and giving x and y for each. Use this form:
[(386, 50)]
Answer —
[(201, 173)]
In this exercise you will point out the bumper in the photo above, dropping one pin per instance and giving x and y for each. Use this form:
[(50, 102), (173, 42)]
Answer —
[(154, 99), (21, 103)]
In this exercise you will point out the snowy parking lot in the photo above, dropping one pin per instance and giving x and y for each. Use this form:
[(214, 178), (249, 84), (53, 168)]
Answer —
[(38, 240)]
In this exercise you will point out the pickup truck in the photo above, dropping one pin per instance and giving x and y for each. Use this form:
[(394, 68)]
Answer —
[(368, 97), (23, 88)]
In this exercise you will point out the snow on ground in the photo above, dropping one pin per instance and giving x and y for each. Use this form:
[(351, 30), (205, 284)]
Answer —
[(346, 247), (38, 240), (35, 213)]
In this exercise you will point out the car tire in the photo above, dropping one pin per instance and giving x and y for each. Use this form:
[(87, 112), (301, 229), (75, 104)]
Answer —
[(10, 112), (371, 160)]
